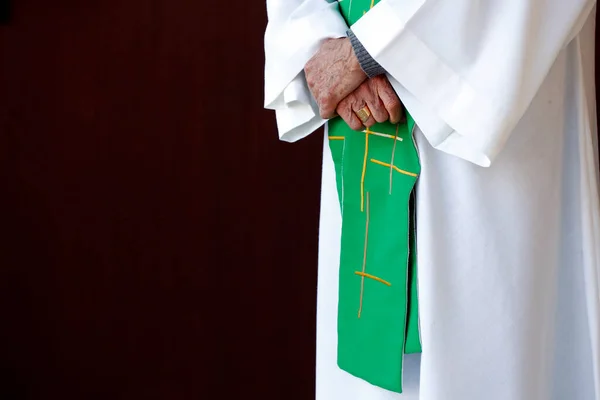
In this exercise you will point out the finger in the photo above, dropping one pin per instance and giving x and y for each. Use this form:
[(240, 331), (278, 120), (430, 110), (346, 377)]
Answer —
[(368, 93), (345, 111), (360, 105), (378, 110), (370, 122), (390, 100)]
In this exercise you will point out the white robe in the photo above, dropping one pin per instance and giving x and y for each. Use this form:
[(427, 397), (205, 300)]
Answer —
[(508, 206)]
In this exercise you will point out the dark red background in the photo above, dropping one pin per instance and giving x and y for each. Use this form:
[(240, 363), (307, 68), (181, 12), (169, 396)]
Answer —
[(157, 241)]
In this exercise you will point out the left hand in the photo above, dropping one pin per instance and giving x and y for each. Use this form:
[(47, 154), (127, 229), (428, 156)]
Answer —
[(332, 74)]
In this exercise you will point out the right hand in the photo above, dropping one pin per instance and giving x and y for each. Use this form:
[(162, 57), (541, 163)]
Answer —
[(381, 98)]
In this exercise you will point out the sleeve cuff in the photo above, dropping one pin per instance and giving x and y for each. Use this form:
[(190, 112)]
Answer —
[(300, 115), (370, 67), (287, 49), (477, 125)]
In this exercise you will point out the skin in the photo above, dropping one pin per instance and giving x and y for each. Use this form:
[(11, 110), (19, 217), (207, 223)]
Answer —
[(332, 74), (340, 86), (377, 94)]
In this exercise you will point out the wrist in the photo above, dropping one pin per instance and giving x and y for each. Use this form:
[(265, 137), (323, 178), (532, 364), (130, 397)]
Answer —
[(370, 67), (353, 63)]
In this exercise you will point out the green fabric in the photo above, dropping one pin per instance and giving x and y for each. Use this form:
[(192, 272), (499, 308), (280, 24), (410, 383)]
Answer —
[(376, 171), (413, 337)]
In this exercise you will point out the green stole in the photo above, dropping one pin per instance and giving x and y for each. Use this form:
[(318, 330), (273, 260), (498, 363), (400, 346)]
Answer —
[(376, 171)]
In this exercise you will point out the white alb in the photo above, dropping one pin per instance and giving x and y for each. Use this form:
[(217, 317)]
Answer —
[(508, 202)]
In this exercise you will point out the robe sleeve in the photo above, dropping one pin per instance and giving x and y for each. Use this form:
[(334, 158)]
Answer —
[(294, 33), (475, 65)]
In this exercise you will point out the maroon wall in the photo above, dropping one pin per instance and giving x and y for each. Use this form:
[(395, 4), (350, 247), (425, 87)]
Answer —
[(157, 241)]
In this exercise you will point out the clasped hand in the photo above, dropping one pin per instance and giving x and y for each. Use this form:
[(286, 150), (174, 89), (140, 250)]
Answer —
[(339, 85)]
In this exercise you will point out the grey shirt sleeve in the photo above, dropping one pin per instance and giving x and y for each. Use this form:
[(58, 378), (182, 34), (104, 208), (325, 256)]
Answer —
[(367, 63)]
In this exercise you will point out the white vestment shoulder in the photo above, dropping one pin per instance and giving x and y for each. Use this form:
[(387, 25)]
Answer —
[(509, 255)]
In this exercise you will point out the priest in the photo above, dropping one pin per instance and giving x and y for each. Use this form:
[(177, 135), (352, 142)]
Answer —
[(460, 215)]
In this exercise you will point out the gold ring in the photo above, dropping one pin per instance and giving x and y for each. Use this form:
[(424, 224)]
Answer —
[(363, 114)]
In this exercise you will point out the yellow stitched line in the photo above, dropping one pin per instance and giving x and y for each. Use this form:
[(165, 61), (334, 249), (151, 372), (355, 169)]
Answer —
[(364, 266), (396, 168), (372, 277), (385, 135), (336, 138), (392, 160), (362, 179), (372, 3)]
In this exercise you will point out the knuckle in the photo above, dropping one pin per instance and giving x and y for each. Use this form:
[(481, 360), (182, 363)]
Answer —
[(359, 103), (393, 104), (383, 82)]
